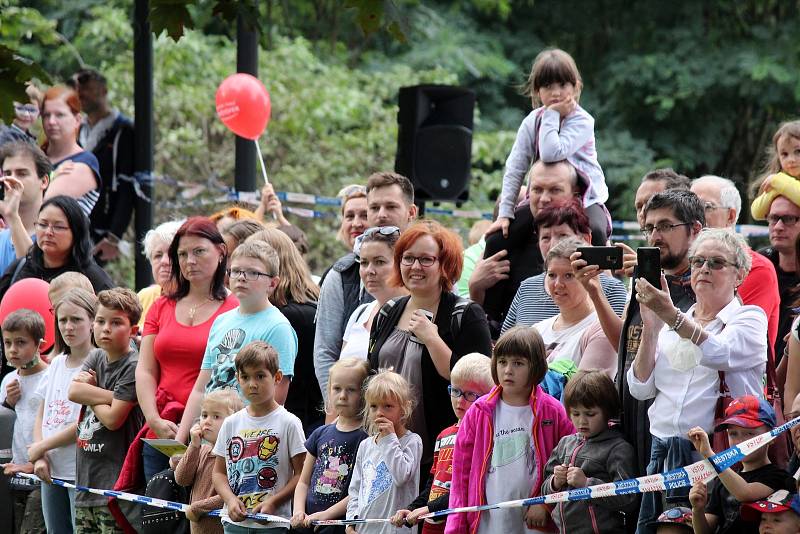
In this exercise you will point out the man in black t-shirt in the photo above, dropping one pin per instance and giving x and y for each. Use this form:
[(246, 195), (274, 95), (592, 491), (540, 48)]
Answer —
[(784, 227)]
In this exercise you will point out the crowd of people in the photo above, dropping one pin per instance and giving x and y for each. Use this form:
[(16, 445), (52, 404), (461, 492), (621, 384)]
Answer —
[(414, 375)]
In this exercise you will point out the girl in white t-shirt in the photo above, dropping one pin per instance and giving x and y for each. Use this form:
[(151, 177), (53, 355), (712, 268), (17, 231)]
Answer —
[(53, 450)]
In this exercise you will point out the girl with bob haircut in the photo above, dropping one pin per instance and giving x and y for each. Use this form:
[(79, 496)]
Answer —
[(557, 129), (423, 334), (595, 455), (505, 439), (389, 403)]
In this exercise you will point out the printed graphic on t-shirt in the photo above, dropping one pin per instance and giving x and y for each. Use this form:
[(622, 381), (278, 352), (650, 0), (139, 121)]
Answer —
[(511, 446), (331, 471), (377, 480), (444, 467), (88, 425), (57, 412), (223, 374), (252, 460)]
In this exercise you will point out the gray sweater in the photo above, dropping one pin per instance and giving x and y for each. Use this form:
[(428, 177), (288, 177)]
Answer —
[(604, 458), (571, 139), (385, 479)]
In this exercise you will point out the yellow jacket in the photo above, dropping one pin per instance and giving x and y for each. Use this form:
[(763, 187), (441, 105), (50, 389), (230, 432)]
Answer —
[(781, 185)]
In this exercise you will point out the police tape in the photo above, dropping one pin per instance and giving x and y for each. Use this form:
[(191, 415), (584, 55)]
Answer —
[(150, 501), (702, 471)]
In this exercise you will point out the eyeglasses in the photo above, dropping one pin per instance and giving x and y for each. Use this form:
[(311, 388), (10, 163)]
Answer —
[(56, 228), (30, 109), (787, 220), (715, 264), (662, 228), (350, 190), (381, 230), (710, 206), (469, 396), (424, 261), (249, 275)]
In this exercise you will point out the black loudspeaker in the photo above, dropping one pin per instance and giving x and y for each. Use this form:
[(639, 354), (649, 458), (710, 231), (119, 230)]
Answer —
[(434, 140)]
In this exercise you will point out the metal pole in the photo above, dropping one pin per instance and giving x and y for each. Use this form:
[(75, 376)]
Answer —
[(247, 62), (143, 133)]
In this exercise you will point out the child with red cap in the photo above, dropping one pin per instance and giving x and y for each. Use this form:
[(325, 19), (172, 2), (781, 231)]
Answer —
[(716, 508), (778, 514)]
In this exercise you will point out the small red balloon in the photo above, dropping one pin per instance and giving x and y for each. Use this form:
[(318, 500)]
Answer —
[(243, 105), (31, 294)]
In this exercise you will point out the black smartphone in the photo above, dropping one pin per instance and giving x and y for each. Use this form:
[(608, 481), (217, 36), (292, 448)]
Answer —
[(603, 257), (648, 266)]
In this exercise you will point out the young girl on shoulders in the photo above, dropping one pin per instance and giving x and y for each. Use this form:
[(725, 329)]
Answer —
[(557, 129), (322, 490), (782, 174), (505, 439), (53, 451), (386, 474), (595, 455)]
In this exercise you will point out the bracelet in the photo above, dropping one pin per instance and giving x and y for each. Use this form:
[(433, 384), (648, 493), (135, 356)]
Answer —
[(679, 318), (699, 331)]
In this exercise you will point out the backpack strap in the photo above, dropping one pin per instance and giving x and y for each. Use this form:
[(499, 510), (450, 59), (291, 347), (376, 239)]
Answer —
[(380, 320), (458, 314), (17, 269)]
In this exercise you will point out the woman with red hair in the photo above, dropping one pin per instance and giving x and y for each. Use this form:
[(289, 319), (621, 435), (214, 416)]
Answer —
[(415, 335), (176, 330), (77, 172)]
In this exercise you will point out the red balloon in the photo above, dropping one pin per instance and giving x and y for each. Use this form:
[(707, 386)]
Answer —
[(31, 293), (243, 105)]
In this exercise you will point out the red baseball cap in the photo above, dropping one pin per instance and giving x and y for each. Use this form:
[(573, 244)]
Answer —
[(780, 501), (748, 411)]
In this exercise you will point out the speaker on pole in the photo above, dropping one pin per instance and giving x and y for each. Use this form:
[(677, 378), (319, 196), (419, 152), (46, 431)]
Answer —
[(434, 140)]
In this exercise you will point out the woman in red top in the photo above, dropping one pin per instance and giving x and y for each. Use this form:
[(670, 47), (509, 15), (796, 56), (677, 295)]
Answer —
[(177, 326)]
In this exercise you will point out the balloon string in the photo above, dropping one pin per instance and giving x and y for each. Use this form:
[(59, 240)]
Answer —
[(263, 168), (261, 160)]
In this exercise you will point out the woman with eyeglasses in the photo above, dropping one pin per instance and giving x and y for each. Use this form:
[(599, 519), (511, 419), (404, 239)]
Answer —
[(374, 250), (77, 171), (62, 244), (176, 330), (424, 334), (686, 362)]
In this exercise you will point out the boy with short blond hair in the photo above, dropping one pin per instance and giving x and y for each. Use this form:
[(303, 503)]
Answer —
[(111, 417), (260, 450), (23, 337)]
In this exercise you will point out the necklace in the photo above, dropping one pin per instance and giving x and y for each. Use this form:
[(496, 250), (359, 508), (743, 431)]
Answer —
[(193, 309)]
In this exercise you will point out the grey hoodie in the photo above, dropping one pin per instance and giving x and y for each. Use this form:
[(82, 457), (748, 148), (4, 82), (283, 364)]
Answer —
[(605, 457)]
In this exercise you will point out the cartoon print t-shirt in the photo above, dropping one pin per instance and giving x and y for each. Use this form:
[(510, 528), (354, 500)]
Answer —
[(233, 330), (258, 453), (512, 472), (335, 452)]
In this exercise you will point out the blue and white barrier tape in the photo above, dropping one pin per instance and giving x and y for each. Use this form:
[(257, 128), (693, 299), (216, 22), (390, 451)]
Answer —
[(151, 501), (682, 477)]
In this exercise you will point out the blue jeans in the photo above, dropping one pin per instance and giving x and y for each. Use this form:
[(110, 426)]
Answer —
[(58, 508), (665, 454), (229, 528), (153, 462)]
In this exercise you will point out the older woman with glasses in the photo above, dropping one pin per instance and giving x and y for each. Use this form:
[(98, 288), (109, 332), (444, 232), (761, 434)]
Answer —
[(374, 250), (686, 360), (424, 334)]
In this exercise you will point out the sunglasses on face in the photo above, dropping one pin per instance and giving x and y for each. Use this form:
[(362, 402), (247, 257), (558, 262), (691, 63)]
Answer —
[(715, 264)]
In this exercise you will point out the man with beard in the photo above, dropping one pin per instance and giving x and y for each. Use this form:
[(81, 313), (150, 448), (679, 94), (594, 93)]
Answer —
[(670, 221)]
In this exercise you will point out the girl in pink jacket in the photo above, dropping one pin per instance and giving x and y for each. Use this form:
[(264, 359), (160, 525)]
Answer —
[(504, 442)]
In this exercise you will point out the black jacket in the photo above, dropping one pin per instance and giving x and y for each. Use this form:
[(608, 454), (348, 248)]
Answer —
[(473, 337)]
